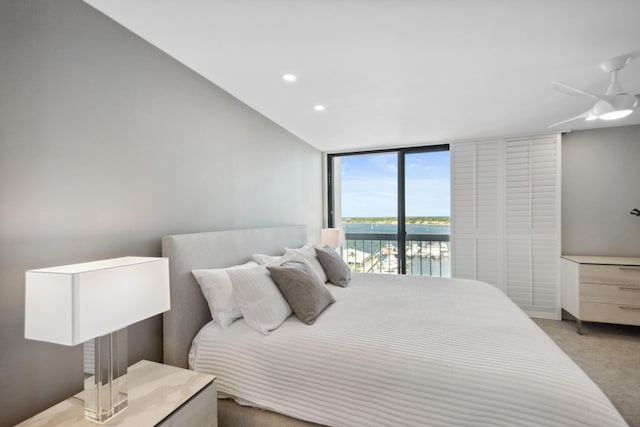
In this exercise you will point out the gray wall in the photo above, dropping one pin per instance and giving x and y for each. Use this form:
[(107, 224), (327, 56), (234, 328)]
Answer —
[(600, 185), (107, 144)]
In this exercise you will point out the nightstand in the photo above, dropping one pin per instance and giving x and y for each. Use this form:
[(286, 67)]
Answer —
[(159, 395), (601, 289)]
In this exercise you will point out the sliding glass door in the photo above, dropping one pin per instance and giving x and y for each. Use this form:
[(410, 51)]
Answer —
[(427, 212), (365, 205), (394, 207)]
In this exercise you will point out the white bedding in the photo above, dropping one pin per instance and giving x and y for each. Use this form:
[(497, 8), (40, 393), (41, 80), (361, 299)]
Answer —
[(406, 351)]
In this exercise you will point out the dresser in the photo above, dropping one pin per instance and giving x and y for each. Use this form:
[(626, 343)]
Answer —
[(159, 395), (601, 289)]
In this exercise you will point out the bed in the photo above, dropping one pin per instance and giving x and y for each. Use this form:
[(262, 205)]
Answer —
[(392, 350)]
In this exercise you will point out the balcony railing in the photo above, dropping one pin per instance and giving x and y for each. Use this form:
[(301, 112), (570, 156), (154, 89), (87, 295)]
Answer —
[(426, 254)]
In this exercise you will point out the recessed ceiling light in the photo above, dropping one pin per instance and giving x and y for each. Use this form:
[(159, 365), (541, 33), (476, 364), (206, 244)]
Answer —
[(289, 77), (319, 107)]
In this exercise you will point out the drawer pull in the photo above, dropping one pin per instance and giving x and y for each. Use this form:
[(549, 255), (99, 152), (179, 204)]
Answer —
[(629, 288), (629, 307), (630, 268)]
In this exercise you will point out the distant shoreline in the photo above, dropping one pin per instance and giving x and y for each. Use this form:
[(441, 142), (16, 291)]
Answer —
[(426, 220)]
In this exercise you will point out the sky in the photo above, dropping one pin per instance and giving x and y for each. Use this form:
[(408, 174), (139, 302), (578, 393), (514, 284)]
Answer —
[(369, 184)]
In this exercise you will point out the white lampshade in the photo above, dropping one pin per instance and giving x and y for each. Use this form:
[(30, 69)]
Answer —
[(74, 303), (332, 237)]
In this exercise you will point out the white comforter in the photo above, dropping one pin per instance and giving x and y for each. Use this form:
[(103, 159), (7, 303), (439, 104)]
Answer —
[(406, 351)]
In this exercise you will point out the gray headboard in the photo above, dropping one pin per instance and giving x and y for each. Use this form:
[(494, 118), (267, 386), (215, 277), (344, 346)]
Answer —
[(189, 310)]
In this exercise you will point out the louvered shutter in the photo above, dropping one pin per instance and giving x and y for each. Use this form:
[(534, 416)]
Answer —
[(506, 216), (532, 208), (476, 205)]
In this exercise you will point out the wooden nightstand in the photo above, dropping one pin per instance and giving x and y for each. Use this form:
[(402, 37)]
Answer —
[(159, 395), (601, 289)]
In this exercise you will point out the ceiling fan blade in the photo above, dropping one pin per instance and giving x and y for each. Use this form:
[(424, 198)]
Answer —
[(570, 90), (579, 116), (634, 54)]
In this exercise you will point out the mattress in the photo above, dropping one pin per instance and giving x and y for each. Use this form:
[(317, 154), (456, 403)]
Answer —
[(406, 351)]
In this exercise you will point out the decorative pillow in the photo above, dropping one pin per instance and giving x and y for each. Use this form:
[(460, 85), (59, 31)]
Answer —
[(302, 288), (268, 260), (309, 254), (337, 270), (264, 259), (261, 303), (218, 291)]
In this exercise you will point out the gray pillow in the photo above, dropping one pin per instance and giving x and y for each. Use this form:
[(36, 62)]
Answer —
[(302, 288), (337, 270)]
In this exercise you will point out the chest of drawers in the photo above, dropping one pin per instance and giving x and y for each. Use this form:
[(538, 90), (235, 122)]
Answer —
[(601, 289)]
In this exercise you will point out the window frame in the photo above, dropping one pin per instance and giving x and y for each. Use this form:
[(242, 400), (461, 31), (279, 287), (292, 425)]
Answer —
[(401, 233)]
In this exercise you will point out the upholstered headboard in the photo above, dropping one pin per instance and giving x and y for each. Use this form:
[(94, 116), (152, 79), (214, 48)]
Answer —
[(186, 252)]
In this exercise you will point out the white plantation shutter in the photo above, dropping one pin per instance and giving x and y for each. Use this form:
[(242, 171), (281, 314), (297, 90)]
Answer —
[(476, 205), (532, 208), (506, 216)]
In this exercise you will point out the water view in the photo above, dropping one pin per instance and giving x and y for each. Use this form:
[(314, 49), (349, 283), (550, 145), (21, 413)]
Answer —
[(378, 228), (372, 246), (368, 198)]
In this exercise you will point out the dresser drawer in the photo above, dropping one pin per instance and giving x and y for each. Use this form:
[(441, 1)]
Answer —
[(610, 274), (200, 410), (612, 294), (610, 313)]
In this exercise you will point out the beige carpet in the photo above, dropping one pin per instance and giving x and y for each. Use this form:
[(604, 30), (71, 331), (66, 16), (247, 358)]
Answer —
[(609, 354)]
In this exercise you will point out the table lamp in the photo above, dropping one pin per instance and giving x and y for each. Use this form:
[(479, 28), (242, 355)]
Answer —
[(332, 237), (72, 304)]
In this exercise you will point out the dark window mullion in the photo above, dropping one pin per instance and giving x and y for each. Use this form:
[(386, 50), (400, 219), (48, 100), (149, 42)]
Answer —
[(402, 232), (331, 221)]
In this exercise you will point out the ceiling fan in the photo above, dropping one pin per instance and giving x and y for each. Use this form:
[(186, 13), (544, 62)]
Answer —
[(614, 104)]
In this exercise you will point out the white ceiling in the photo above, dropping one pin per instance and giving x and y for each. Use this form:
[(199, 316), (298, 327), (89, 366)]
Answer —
[(398, 72)]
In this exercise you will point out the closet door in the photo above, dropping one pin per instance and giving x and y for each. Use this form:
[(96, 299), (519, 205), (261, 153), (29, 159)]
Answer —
[(476, 218), (532, 224), (506, 218)]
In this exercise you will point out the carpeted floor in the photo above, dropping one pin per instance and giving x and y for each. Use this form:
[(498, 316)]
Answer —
[(609, 354)]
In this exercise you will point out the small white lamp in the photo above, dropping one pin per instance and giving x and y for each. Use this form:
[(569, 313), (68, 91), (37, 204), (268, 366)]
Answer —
[(332, 237), (97, 300)]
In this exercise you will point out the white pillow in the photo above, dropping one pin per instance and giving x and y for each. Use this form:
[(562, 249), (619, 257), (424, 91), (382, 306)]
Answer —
[(309, 253), (261, 302), (265, 259), (271, 261), (218, 291)]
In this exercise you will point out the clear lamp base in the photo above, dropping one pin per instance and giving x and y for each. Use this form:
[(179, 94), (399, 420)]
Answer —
[(105, 384)]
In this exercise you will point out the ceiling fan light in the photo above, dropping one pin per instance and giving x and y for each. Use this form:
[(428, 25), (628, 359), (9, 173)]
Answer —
[(616, 114)]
